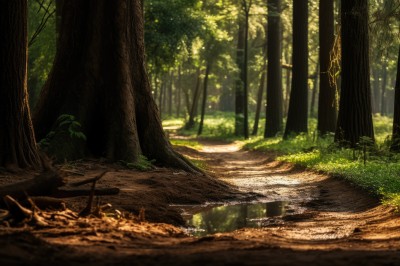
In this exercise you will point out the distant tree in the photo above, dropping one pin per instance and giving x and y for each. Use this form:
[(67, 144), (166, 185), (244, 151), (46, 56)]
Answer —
[(297, 119), (355, 114), (204, 102), (274, 110), (327, 92), (396, 119), (17, 142), (99, 77)]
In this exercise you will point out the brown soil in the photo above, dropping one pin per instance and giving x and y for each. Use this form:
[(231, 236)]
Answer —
[(333, 222)]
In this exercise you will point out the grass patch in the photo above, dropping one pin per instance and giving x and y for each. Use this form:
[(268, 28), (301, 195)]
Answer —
[(380, 175), (191, 143)]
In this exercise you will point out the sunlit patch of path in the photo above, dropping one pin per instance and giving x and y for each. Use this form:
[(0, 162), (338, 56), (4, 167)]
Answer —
[(321, 208)]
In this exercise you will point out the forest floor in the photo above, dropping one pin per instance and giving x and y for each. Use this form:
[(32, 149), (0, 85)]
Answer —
[(327, 221)]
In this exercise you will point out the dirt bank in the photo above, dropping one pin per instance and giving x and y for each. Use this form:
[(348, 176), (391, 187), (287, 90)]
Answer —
[(330, 223)]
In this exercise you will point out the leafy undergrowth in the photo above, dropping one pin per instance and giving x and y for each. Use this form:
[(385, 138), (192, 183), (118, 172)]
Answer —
[(377, 170)]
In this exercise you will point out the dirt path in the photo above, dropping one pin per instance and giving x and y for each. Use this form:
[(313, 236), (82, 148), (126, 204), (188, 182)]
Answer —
[(327, 222)]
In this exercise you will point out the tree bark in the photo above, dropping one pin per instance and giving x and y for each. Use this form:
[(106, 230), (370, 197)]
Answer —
[(99, 76), (297, 121), (274, 110), (327, 114), (193, 108), (355, 114), (327, 93), (260, 93), (17, 142), (239, 86), (203, 106), (395, 147)]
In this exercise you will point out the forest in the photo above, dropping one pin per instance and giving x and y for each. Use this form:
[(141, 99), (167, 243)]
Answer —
[(199, 132)]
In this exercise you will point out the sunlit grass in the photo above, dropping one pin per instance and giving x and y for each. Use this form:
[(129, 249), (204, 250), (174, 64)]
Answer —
[(191, 143), (380, 175)]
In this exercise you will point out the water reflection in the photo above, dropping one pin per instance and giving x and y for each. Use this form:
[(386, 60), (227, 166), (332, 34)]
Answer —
[(229, 218)]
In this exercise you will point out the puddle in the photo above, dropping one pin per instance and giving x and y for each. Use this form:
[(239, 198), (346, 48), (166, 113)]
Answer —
[(232, 217)]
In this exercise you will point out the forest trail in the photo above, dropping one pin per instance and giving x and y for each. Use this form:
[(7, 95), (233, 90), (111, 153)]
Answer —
[(326, 220)]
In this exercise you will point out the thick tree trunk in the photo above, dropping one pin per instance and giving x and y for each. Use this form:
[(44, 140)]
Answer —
[(355, 116), (396, 117), (274, 110), (204, 103), (99, 76), (59, 7), (327, 93), (297, 121), (239, 86), (245, 71), (17, 142)]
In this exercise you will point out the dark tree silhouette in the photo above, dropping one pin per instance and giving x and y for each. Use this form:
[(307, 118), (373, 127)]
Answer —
[(396, 119), (355, 116), (274, 110), (99, 77), (327, 92), (17, 142), (204, 101), (239, 90), (298, 104)]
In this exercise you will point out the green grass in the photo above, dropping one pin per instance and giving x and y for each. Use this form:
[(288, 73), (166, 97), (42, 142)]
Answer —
[(380, 175), (191, 143)]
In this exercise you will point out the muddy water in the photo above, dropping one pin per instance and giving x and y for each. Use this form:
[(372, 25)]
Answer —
[(229, 218), (280, 192)]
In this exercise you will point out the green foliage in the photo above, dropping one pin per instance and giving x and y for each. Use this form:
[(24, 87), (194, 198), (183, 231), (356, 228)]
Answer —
[(42, 51), (65, 124), (69, 123), (142, 164)]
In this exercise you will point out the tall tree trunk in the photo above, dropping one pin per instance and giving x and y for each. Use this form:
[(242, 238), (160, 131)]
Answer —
[(170, 85), (99, 76), (395, 147), (327, 93), (260, 98), (245, 70), (17, 142), (314, 90), (383, 91), (288, 87), (239, 88), (178, 93), (193, 108), (274, 110), (204, 103), (298, 105), (355, 116)]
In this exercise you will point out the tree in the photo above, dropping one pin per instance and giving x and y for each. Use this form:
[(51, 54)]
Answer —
[(396, 119), (204, 102), (17, 142), (327, 92), (355, 114), (274, 110), (99, 78), (239, 90), (298, 104)]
